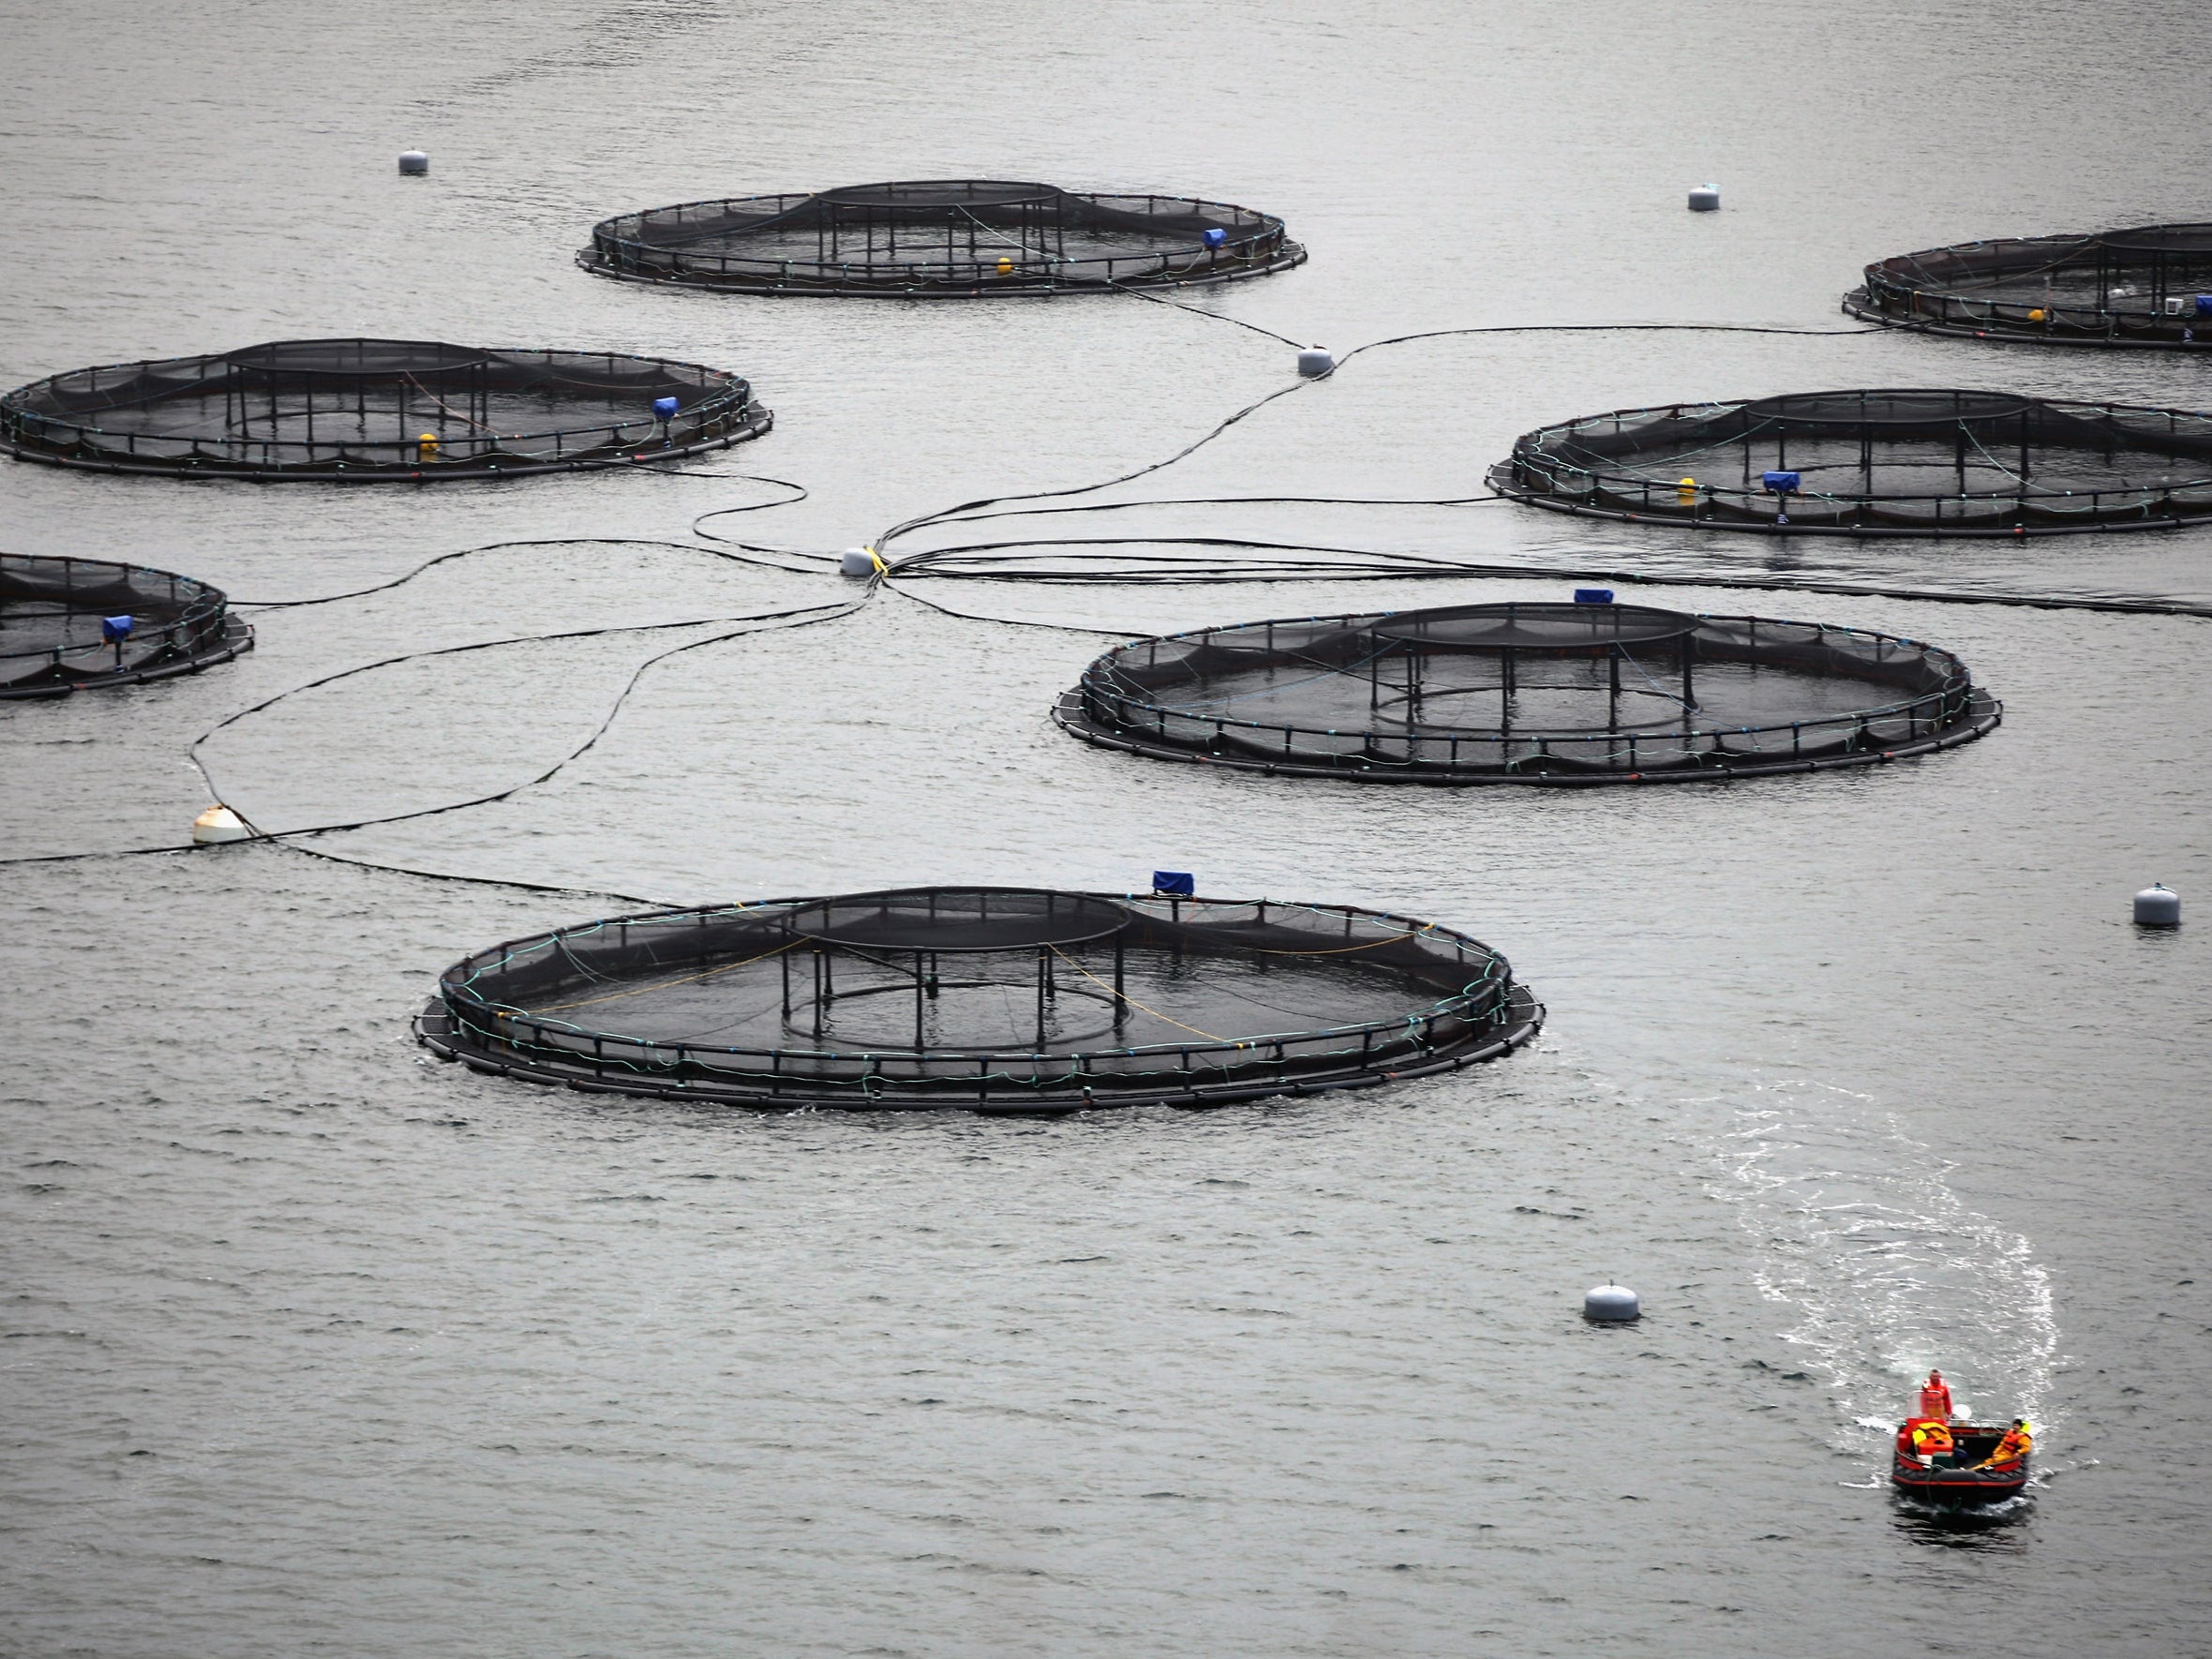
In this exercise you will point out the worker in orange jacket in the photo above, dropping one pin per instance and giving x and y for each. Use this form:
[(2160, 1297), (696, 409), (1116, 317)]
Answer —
[(2016, 1445)]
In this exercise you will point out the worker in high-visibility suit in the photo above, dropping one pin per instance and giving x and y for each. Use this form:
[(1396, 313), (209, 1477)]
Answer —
[(2016, 1445)]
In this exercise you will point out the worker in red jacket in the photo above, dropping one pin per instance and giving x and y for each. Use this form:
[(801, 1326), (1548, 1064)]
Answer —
[(1935, 1397)]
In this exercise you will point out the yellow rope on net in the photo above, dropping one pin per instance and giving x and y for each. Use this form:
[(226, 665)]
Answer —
[(1132, 1002)]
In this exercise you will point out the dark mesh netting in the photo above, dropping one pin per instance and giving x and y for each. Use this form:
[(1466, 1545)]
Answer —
[(2147, 287), (369, 411), (943, 238), (1534, 694), (1875, 463), (66, 623), (986, 998)]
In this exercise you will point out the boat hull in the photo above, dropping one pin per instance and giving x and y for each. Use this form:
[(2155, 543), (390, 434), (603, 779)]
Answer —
[(1950, 1487)]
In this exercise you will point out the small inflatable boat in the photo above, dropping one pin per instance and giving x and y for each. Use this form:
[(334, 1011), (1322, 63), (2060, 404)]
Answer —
[(1952, 1481)]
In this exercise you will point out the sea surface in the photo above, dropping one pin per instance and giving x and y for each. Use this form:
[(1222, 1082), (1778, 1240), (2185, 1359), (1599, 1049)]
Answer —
[(309, 1344)]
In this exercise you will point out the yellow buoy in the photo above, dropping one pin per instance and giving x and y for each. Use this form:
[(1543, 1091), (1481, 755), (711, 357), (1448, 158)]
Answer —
[(2036, 315), (1687, 492), (1006, 266), (426, 447), (216, 825)]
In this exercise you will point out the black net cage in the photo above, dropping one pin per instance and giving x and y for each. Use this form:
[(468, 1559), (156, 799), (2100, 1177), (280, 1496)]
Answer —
[(69, 623), (2151, 286), (988, 999), (942, 238), (1548, 694), (364, 410), (1875, 463)]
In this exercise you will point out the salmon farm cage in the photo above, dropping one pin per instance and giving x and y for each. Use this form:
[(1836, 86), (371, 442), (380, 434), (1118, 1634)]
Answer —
[(1540, 694), (941, 239), (362, 410), (2151, 286), (71, 623), (1875, 463), (982, 999)]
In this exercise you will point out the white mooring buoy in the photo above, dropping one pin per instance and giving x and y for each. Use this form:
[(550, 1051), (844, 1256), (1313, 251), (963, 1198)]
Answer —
[(216, 825), (1705, 199), (1611, 1304), (2158, 905), (414, 163), (858, 561), (1314, 362)]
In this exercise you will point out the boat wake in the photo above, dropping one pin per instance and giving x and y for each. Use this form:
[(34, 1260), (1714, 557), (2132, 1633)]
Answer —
[(1883, 1269)]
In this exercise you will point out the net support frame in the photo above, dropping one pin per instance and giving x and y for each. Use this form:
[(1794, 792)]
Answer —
[(53, 607), (482, 1012), (962, 239), (440, 411), (1121, 702), (2137, 288), (1589, 466)]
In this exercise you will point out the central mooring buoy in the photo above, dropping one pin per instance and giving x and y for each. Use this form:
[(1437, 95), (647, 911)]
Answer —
[(220, 824), (2158, 905), (1611, 1304)]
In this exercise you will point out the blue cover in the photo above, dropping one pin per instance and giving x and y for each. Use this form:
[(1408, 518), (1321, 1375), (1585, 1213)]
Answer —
[(1177, 884), (1781, 483), (2205, 305), (664, 408), (1593, 596), (114, 630), (1216, 238)]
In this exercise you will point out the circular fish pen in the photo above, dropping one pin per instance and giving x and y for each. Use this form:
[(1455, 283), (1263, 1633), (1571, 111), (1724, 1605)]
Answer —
[(2151, 286), (985, 999), (942, 239), (1542, 693), (1875, 463), (365, 412), (66, 624)]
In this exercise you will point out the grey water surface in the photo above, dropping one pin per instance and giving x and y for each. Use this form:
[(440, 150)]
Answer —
[(309, 1344)]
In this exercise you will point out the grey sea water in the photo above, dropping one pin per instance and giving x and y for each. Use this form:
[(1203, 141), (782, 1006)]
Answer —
[(309, 1344)]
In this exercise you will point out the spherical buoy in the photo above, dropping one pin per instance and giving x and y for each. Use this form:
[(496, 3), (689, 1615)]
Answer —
[(216, 825), (1611, 1304), (413, 163), (2158, 905), (1313, 361), (858, 561), (1705, 199)]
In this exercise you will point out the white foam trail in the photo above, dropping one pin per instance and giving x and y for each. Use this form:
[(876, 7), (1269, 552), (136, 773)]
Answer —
[(1885, 1271)]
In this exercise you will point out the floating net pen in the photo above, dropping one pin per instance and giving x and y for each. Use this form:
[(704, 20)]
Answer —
[(68, 624), (987, 999), (1875, 463), (363, 410), (1534, 694), (941, 238), (2151, 286)]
